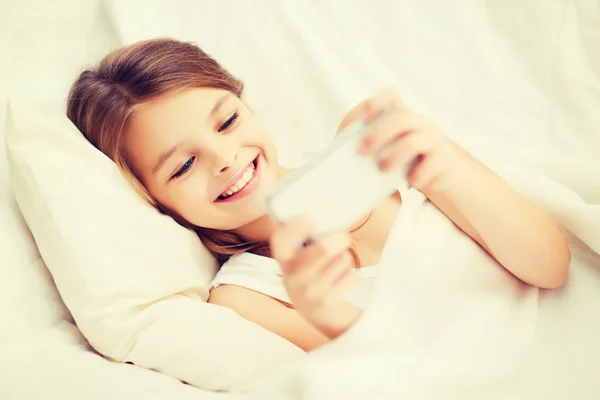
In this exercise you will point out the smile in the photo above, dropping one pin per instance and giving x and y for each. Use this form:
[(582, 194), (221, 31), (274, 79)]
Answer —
[(245, 182)]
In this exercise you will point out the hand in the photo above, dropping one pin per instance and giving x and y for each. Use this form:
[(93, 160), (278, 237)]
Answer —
[(404, 136), (317, 276)]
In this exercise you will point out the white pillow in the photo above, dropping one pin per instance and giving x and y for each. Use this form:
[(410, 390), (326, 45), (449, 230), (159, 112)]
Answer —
[(29, 302), (134, 280)]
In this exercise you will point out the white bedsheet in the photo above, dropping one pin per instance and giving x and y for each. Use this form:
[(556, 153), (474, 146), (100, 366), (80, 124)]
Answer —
[(448, 322), (58, 364)]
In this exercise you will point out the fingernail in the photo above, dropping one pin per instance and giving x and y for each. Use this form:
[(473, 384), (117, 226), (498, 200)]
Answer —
[(363, 148), (304, 244), (383, 165), (307, 242)]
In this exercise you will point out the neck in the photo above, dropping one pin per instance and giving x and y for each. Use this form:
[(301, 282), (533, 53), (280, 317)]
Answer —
[(259, 230)]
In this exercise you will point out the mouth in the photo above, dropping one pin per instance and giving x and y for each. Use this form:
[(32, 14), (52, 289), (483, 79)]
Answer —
[(245, 183)]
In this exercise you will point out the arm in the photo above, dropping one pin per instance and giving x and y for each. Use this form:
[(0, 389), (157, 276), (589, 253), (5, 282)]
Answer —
[(270, 314), (518, 234), (317, 275)]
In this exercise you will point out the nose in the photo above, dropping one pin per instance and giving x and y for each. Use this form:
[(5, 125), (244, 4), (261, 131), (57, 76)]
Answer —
[(223, 162)]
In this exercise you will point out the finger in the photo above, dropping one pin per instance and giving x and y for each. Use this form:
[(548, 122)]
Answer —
[(287, 239), (403, 151), (337, 269), (353, 115), (383, 99), (327, 248), (341, 287), (389, 129), (311, 260), (368, 108), (338, 272), (424, 175)]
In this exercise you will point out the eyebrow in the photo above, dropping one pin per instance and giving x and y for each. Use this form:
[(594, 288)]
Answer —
[(164, 157), (167, 154), (218, 104)]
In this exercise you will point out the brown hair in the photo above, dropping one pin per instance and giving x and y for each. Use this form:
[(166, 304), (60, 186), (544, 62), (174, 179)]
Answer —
[(103, 99)]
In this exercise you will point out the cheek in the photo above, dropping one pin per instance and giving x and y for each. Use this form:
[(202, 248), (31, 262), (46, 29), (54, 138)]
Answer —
[(263, 140), (188, 199), (254, 129)]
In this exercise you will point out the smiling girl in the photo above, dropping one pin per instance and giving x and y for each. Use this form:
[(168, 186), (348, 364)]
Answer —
[(174, 122)]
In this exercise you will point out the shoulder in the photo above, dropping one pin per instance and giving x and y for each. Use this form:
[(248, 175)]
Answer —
[(253, 272), (248, 265), (238, 297)]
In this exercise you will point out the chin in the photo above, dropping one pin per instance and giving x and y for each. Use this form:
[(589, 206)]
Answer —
[(262, 212)]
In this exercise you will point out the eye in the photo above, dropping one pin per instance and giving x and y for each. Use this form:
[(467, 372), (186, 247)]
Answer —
[(184, 168), (227, 124)]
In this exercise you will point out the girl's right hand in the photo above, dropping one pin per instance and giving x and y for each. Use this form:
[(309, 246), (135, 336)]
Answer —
[(317, 275)]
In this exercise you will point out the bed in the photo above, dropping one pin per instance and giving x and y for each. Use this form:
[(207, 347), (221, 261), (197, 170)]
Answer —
[(516, 79)]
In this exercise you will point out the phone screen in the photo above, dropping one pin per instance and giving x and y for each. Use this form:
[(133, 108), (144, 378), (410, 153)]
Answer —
[(337, 187)]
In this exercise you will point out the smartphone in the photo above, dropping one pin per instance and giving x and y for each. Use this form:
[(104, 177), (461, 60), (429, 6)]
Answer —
[(337, 187)]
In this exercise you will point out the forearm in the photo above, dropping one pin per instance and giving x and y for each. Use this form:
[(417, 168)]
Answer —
[(517, 233), (335, 323)]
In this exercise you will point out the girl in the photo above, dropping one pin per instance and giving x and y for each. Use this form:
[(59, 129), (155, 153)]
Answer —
[(173, 120)]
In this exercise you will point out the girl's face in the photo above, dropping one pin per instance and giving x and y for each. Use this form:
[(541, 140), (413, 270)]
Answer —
[(202, 154)]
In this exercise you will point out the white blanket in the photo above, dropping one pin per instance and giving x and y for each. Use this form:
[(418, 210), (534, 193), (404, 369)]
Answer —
[(449, 322), (523, 72)]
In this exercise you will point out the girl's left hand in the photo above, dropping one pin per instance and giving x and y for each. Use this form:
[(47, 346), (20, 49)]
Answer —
[(404, 136)]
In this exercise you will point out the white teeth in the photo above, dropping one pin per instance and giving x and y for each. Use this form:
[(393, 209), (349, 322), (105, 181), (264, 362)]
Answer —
[(239, 185)]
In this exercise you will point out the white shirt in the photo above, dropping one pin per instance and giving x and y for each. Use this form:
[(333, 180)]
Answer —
[(263, 275)]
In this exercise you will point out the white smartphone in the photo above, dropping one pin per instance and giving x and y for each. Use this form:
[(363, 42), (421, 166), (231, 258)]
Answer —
[(337, 187)]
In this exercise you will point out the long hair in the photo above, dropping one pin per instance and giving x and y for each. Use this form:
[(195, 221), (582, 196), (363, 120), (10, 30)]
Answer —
[(103, 99)]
